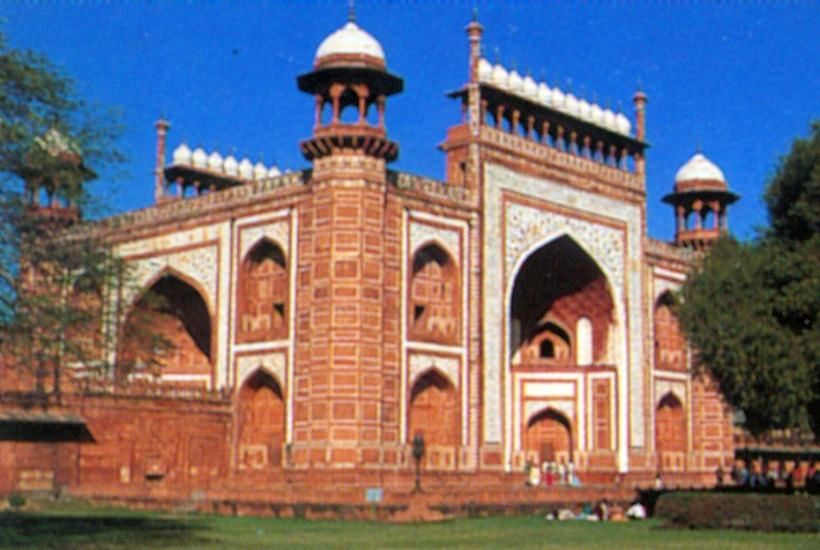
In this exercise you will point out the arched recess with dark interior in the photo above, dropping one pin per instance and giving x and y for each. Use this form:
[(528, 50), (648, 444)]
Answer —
[(167, 331), (670, 344), (558, 285), (670, 433), (548, 436), (434, 312), (434, 414), (261, 414), (262, 303)]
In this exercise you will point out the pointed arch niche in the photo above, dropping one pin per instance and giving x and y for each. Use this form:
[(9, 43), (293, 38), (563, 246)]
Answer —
[(262, 301), (548, 436), (261, 421), (434, 413), (670, 344), (558, 293), (167, 331), (670, 433), (434, 310)]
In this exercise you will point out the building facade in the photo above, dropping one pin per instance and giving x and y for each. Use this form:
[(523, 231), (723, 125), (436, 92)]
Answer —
[(516, 311)]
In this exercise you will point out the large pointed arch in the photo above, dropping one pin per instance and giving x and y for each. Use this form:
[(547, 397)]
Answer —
[(261, 422), (434, 302), (262, 294), (168, 330), (557, 284), (548, 435)]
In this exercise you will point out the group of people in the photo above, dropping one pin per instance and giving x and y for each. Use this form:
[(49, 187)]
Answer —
[(761, 475), (602, 511), (552, 473)]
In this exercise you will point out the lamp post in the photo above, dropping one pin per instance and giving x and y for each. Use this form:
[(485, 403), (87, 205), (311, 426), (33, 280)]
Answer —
[(418, 454)]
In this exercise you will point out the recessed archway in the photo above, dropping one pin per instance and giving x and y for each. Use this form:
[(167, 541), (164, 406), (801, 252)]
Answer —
[(433, 410), (262, 301), (434, 306), (670, 433), (558, 285), (167, 331), (548, 435), (670, 344), (261, 420)]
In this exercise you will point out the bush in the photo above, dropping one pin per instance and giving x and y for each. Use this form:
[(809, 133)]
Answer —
[(17, 501), (758, 512)]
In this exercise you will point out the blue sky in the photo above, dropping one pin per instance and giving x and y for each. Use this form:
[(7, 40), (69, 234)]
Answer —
[(741, 80)]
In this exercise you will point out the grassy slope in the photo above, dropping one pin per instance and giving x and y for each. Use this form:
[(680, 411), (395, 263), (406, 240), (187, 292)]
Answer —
[(85, 527)]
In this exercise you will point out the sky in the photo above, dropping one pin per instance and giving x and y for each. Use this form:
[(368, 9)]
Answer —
[(739, 80)]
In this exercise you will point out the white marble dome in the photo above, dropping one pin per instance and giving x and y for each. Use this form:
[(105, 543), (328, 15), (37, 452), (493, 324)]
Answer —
[(609, 119), (259, 171), (530, 87), (558, 99), (485, 70), (514, 82), (544, 94), (596, 114), (623, 124), (199, 158), (182, 154), (571, 104), (274, 171), (349, 40), (246, 169), (499, 76), (231, 166), (215, 161), (699, 168)]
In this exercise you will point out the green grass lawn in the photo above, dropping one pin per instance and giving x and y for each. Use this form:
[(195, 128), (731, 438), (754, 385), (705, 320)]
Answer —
[(82, 526)]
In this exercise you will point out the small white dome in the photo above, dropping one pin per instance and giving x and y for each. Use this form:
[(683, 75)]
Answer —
[(558, 99), (544, 94), (485, 70), (350, 40), (530, 88), (259, 171), (596, 114), (182, 154), (623, 124), (274, 171), (609, 119), (584, 109), (199, 158), (514, 82), (571, 103), (246, 169), (699, 168), (231, 166), (215, 162), (499, 76)]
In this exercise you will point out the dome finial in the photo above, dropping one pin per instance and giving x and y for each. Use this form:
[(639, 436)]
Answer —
[(351, 11)]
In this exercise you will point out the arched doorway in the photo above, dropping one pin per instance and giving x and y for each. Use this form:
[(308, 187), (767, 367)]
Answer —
[(557, 286), (548, 437), (434, 297), (670, 345), (670, 434), (168, 331), (261, 415), (263, 294), (434, 414)]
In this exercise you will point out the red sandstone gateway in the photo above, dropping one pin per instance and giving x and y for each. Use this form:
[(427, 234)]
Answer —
[(514, 313)]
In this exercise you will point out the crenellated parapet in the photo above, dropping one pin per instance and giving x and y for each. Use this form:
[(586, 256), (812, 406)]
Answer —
[(430, 188)]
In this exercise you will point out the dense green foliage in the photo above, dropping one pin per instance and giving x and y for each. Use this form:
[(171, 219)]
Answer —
[(748, 511), (84, 527), (751, 310)]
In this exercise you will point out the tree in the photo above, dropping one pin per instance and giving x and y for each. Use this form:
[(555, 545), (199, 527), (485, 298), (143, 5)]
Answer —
[(751, 309), (58, 277)]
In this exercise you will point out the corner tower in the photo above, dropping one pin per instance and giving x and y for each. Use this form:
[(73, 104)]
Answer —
[(701, 199), (348, 289)]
